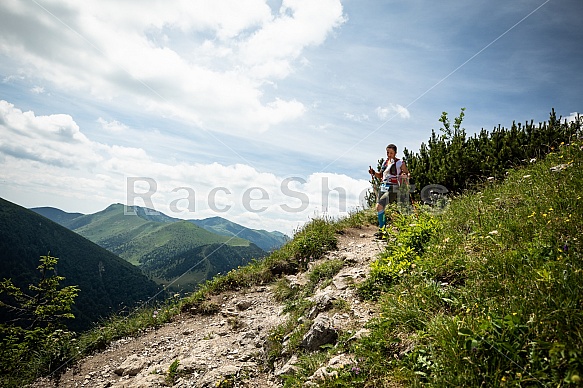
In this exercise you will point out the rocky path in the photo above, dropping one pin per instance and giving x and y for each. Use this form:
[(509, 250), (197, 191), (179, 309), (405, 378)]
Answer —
[(229, 344)]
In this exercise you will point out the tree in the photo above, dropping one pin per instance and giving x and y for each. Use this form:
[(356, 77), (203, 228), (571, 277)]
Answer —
[(47, 305), (33, 341)]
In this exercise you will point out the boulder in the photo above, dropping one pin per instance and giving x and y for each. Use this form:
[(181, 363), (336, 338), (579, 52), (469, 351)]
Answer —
[(321, 332)]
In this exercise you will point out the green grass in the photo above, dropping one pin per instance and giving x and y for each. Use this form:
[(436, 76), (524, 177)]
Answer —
[(493, 298)]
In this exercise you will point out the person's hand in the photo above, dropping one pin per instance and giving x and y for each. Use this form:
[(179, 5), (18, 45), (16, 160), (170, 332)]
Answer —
[(370, 170)]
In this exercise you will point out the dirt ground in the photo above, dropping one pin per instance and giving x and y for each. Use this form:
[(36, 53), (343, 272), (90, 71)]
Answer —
[(207, 351)]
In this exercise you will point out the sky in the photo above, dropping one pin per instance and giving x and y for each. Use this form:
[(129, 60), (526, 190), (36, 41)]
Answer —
[(266, 113)]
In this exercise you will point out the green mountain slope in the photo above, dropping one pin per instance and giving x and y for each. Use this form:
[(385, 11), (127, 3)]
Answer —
[(164, 247), (56, 215), (107, 282), (268, 241)]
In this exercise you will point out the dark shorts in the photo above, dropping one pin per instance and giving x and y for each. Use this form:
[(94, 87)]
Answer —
[(389, 196)]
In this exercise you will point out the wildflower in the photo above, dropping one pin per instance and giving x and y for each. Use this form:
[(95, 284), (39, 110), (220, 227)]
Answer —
[(565, 247), (494, 232)]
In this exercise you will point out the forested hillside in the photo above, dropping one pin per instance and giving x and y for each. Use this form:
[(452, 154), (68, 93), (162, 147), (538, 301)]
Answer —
[(107, 283)]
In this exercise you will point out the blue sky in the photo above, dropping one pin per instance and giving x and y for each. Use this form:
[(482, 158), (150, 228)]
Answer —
[(266, 113)]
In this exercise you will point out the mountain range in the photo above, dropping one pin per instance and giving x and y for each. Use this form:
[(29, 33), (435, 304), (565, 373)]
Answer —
[(176, 253), (268, 241), (122, 255)]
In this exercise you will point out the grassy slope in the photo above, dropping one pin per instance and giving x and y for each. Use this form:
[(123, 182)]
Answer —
[(496, 299)]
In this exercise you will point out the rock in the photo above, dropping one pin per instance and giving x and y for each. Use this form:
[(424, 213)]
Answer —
[(243, 305), (142, 381), (331, 369), (296, 281), (217, 376), (132, 366), (192, 364), (323, 301), (321, 332), (289, 367), (360, 334), (340, 361), (323, 374), (340, 284)]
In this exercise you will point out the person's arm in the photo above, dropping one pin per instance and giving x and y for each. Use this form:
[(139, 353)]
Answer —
[(404, 177), (374, 173)]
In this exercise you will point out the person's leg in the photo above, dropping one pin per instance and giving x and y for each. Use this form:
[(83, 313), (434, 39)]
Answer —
[(381, 209), (392, 194)]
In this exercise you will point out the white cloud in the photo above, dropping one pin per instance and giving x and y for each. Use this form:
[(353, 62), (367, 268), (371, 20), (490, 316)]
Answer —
[(392, 110), (572, 117), (50, 155), (54, 139), (12, 78), (112, 126), (204, 62), (357, 118), (38, 90)]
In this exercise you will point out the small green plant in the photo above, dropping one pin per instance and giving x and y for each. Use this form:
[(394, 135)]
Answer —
[(407, 238), (313, 241), (282, 290), (225, 382), (235, 323), (172, 373), (325, 270), (359, 218), (209, 336)]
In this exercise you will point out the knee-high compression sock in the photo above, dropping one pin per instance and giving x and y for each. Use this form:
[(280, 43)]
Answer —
[(381, 216)]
